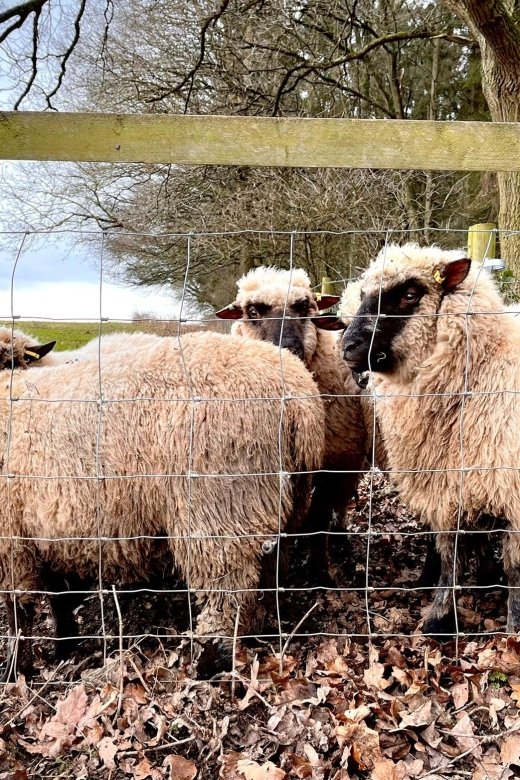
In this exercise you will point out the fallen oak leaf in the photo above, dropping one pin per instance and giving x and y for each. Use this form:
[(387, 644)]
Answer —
[(464, 736), (145, 770), (180, 768), (422, 716), (60, 730), (510, 750), (252, 770), (385, 769), (107, 751), (373, 676)]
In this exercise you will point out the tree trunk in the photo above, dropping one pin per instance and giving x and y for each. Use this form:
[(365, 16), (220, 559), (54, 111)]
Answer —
[(493, 24)]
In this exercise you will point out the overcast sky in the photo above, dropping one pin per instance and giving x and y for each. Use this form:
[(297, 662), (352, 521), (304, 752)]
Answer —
[(61, 281)]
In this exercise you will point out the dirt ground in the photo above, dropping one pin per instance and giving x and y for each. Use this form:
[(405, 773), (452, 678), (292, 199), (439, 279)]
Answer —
[(357, 692)]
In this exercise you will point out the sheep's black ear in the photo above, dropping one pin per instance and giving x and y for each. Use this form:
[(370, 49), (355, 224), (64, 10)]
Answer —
[(328, 322), (231, 312), (327, 301), (455, 273), (38, 351)]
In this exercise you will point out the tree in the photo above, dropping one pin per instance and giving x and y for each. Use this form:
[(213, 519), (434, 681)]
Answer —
[(393, 59), (38, 40), (496, 27)]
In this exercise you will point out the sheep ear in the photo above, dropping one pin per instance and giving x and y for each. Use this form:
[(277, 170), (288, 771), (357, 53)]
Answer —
[(455, 272), (328, 322), (31, 354), (231, 312), (327, 301)]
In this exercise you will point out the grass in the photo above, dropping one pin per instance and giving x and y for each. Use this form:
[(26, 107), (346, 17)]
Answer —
[(71, 335)]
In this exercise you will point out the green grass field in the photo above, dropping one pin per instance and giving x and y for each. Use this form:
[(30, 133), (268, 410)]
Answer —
[(71, 335)]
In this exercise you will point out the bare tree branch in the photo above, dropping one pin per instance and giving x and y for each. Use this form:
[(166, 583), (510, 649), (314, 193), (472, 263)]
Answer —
[(67, 53), (190, 76), (23, 10), (34, 60)]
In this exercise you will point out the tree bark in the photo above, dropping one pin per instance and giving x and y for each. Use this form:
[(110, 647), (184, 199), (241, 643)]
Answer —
[(497, 31)]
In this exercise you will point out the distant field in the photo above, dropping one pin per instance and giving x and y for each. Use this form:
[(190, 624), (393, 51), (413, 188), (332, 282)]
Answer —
[(71, 335)]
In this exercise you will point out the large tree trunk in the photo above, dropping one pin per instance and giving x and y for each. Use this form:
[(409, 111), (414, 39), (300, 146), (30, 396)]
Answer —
[(495, 25)]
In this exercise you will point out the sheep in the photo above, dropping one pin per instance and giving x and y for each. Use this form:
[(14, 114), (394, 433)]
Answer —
[(445, 368), (19, 350), (347, 309), (162, 400), (279, 306)]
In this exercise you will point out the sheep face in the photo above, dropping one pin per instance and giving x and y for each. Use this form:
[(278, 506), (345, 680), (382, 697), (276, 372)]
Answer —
[(278, 307), (286, 326), (395, 328)]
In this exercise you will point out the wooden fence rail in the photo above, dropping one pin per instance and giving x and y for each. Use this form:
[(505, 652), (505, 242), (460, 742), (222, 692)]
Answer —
[(263, 141)]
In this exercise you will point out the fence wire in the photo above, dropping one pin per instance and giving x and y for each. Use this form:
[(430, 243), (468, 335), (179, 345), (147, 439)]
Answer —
[(365, 542)]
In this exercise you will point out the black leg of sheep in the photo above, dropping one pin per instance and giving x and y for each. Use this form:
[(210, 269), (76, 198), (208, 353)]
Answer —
[(511, 557), (63, 601), (441, 617)]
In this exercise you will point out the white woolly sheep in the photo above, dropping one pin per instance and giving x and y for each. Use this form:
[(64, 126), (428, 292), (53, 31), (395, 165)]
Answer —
[(445, 366), (280, 307), (140, 439)]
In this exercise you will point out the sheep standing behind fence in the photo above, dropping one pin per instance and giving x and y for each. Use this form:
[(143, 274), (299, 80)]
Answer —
[(279, 306), (446, 369), (87, 483)]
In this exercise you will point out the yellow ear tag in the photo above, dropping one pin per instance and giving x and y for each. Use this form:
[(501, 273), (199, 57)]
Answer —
[(31, 354), (439, 278)]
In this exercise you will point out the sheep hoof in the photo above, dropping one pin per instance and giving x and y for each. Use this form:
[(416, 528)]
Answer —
[(216, 658), (440, 625)]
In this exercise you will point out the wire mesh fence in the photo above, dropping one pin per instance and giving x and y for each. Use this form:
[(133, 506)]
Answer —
[(180, 490)]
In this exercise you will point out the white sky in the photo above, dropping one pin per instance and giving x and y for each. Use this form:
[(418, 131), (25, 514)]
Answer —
[(77, 300), (61, 281)]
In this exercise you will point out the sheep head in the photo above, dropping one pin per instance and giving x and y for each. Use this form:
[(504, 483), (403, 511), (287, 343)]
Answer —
[(280, 307), (397, 324), (17, 350)]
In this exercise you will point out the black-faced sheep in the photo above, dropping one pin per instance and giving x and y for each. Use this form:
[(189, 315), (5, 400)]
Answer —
[(19, 350), (87, 485), (279, 306), (445, 367)]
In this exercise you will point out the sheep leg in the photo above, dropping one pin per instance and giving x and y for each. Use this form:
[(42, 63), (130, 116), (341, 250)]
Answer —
[(432, 564), (20, 619), (511, 556), (63, 605), (225, 576), (440, 618), (332, 494)]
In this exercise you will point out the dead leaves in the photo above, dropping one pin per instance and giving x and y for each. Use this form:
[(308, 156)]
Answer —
[(115, 737)]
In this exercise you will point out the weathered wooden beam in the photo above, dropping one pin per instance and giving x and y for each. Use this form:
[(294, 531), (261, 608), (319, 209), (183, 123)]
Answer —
[(260, 141)]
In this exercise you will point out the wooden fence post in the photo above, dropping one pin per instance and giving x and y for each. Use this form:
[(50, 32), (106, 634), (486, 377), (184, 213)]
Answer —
[(482, 241), (326, 285)]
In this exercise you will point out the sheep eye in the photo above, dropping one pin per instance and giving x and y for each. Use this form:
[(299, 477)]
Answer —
[(411, 296), (302, 308), (253, 313)]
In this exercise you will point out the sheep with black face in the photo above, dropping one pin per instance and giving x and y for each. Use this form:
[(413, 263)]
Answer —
[(445, 366), (279, 306)]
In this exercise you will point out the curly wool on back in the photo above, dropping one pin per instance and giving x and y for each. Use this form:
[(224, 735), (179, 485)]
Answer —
[(450, 410), (80, 472)]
